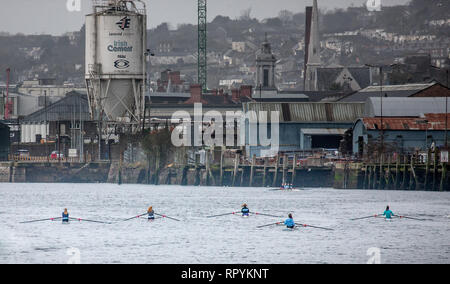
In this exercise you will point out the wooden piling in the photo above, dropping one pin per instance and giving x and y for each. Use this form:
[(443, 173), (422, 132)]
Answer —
[(427, 170), (294, 167), (285, 161), (207, 168), (213, 178), (221, 167), (405, 172), (381, 177), (435, 169), (236, 168), (443, 177), (397, 167), (365, 178), (374, 176), (252, 170), (275, 176), (266, 161), (416, 180), (388, 175), (242, 175)]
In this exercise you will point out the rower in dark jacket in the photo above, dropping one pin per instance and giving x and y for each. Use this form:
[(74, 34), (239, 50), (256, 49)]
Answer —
[(65, 216), (151, 213), (245, 211)]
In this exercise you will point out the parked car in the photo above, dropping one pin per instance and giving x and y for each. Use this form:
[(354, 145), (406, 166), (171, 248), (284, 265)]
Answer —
[(56, 155), (22, 153)]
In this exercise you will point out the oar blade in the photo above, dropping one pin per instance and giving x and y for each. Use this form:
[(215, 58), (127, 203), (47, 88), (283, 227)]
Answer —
[(90, 221), (220, 215), (40, 220), (412, 218), (135, 217), (263, 214), (271, 224), (165, 216), (366, 217)]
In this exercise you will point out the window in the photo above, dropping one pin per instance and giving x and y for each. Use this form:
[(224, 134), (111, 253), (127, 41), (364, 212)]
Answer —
[(266, 78)]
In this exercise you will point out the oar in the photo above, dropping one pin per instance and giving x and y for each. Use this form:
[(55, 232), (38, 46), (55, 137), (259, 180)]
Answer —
[(86, 220), (272, 224), (232, 213), (165, 216), (41, 220), (367, 217), (256, 213), (406, 217), (316, 227), (134, 217)]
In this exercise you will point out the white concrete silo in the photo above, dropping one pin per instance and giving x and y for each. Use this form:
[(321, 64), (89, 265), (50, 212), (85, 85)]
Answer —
[(115, 60)]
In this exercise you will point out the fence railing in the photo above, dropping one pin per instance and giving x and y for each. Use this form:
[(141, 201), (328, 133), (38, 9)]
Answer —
[(40, 159)]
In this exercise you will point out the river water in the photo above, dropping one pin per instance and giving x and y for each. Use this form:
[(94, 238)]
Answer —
[(227, 239)]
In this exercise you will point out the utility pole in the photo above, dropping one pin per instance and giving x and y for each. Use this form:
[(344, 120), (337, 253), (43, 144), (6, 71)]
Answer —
[(202, 45), (446, 104), (381, 109), (47, 128), (7, 105), (380, 67)]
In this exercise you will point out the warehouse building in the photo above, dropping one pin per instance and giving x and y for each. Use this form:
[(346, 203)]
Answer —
[(303, 126), (399, 134), (398, 91), (4, 142)]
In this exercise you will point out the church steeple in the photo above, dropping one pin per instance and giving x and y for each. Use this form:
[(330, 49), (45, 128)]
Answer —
[(265, 67), (312, 47)]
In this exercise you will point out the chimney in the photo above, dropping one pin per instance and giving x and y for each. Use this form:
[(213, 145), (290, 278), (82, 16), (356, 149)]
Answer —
[(235, 96), (246, 91), (226, 99), (196, 95)]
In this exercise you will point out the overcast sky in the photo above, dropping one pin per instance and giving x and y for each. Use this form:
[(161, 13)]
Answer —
[(52, 16)]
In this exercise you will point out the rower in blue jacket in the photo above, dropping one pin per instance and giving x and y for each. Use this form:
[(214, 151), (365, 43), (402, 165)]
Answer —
[(388, 213), (65, 216), (245, 211), (151, 214), (290, 222)]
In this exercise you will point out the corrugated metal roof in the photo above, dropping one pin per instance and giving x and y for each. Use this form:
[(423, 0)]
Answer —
[(389, 90), (395, 88), (404, 107), (65, 109), (430, 122), (324, 131), (309, 112)]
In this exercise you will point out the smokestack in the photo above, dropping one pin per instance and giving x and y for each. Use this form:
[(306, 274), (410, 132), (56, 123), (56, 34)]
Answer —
[(196, 95), (235, 96)]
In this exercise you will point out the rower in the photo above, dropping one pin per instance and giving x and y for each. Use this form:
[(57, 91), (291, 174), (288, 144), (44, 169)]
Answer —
[(245, 211), (388, 213), (290, 222), (151, 213), (65, 216)]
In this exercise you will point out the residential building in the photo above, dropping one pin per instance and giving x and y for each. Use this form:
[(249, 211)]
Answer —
[(398, 134)]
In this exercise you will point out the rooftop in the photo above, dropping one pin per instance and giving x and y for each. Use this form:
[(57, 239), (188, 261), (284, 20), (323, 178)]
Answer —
[(428, 122)]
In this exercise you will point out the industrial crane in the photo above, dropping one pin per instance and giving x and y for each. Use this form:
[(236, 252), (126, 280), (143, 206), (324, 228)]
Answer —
[(7, 103), (202, 45)]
